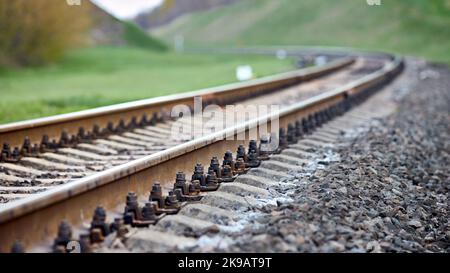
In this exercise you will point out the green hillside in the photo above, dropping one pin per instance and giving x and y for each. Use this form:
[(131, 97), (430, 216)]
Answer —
[(107, 30), (413, 27), (135, 36)]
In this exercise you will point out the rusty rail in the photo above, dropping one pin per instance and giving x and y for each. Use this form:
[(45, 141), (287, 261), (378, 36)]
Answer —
[(36, 218), (15, 133)]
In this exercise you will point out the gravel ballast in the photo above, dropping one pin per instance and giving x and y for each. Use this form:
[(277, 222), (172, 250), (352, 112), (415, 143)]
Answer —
[(383, 190), (382, 186)]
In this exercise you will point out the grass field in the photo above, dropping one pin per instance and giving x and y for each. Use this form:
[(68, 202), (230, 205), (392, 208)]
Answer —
[(102, 76), (412, 27)]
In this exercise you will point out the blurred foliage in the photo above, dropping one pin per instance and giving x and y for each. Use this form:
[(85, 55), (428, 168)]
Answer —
[(39, 31)]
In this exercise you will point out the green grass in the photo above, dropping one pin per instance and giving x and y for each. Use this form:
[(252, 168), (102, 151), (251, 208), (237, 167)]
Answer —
[(412, 27), (135, 36), (102, 76)]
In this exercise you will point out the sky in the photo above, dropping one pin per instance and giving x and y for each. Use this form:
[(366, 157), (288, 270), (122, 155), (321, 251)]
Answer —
[(127, 9)]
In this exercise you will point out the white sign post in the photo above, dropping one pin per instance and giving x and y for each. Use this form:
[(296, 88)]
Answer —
[(244, 72)]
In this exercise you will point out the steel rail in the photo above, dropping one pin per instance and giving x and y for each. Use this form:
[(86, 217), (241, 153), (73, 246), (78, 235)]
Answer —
[(36, 218), (15, 133)]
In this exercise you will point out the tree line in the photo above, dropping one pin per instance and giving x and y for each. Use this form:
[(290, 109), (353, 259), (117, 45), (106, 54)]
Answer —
[(34, 32)]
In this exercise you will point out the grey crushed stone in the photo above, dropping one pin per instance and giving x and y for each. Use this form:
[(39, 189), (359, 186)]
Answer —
[(386, 190)]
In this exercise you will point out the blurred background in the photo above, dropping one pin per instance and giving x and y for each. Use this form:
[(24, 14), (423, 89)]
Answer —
[(58, 56)]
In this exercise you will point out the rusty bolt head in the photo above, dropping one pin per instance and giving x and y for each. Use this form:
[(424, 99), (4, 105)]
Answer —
[(116, 224), (228, 155), (119, 227), (35, 148), (110, 127), (291, 134), (298, 128), (291, 126), (264, 139), (149, 211), (252, 146), (81, 133), (227, 171), (100, 214), (65, 230), (133, 123), (181, 177), (16, 153), (96, 130), (211, 177), (156, 189), (26, 145), (154, 119), (241, 152), (132, 199), (85, 243), (144, 121), (64, 136), (45, 140), (64, 236), (198, 169), (6, 149), (53, 144), (73, 139), (240, 164), (214, 161), (317, 119), (171, 199), (194, 186), (253, 160)]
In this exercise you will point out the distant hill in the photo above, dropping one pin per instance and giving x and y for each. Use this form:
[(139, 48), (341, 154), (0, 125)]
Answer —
[(415, 27), (108, 30), (173, 9)]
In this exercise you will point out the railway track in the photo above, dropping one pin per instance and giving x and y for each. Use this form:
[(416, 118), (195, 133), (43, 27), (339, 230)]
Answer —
[(44, 153), (56, 177), (218, 221), (72, 157)]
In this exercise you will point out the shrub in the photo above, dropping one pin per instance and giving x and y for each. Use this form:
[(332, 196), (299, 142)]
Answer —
[(39, 31)]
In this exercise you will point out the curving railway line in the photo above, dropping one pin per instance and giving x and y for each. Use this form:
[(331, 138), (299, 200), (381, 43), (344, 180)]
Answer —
[(82, 167)]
